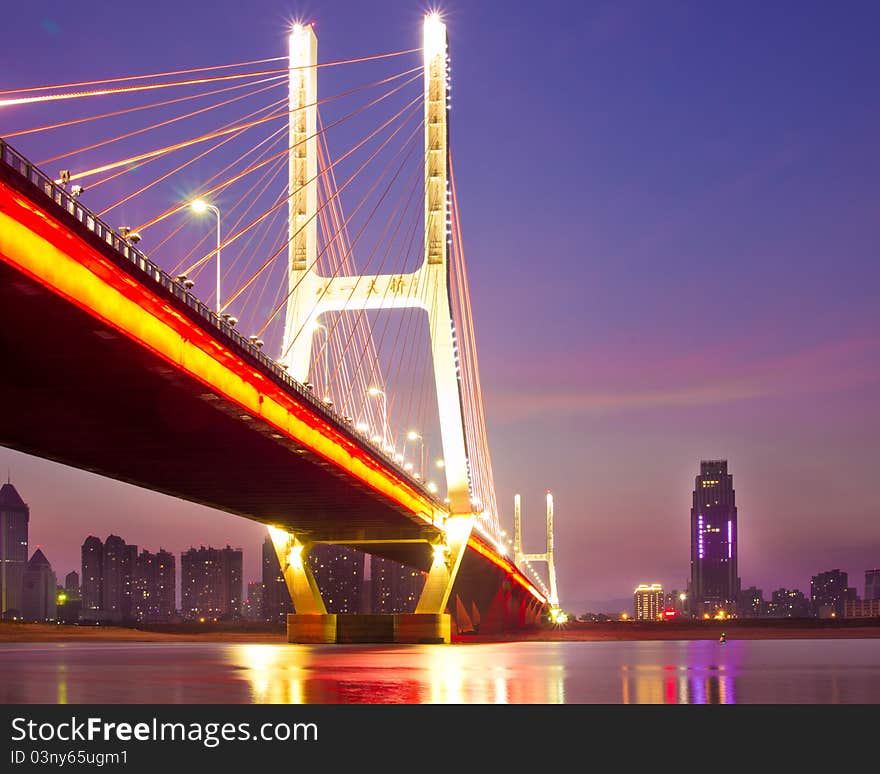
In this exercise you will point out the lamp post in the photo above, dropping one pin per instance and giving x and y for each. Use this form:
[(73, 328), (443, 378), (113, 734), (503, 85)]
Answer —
[(373, 392), (412, 435), (200, 205), (316, 326)]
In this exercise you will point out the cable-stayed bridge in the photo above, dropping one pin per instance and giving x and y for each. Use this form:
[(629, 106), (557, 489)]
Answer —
[(326, 381)]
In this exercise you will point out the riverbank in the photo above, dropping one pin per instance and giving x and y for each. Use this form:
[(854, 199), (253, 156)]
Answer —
[(743, 629), (736, 629), (34, 632)]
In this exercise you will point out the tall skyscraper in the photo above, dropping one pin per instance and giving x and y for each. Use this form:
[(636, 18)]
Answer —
[(872, 584), (395, 588), (39, 589), (92, 577), (71, 583), (253, 605), (69, 599), (166, 584), (117, 579), (14, 517), (211, 583), (153, 587), (648, 602), (276, 598), (714, 583), (339, 573), (829, 591), (118, 584)]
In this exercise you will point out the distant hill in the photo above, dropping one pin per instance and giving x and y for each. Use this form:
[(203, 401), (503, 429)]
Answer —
[(611, 607)]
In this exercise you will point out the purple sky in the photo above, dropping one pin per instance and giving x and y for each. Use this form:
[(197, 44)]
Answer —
[(670, 213)]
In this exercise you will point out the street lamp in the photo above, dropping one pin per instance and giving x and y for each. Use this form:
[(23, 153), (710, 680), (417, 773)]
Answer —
[(200, 206), (317, 326), (412, 435), (373, 392)]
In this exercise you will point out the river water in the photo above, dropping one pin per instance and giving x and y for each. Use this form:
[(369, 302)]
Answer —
[(649, 672)]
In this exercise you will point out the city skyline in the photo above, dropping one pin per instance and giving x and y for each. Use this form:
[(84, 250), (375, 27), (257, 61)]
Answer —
[(122, 585), (711, 469), (712, 294)]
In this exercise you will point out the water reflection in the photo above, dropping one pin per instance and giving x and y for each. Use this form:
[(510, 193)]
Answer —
[(686, 685), (292, 674), (62, 684), (707, 676), (661, 672)]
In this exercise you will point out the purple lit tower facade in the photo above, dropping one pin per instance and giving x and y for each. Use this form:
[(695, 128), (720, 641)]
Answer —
[(714, 584)]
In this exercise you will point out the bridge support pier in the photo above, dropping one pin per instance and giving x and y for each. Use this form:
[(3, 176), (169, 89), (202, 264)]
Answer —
[(331, 628), (429, 623), (292, 559), (444, 568)]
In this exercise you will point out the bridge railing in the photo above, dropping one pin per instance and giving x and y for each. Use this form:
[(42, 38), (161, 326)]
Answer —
[(138, 261)]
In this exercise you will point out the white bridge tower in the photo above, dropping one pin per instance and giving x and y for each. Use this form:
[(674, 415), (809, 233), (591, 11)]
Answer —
[(519, 558), (427, 288)]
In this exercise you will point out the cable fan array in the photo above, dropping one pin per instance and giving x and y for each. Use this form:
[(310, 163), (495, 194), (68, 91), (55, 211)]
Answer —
[(163, 149)]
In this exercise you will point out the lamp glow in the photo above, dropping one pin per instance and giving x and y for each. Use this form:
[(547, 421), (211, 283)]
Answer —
[(294, 556), (374, 392), (201, 206)]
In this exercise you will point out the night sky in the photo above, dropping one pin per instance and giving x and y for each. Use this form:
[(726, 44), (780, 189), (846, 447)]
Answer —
[(670, 213)]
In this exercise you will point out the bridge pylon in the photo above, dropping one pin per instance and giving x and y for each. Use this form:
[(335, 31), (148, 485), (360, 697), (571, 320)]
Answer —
[(520, 559), (302, 202), (426, 288)]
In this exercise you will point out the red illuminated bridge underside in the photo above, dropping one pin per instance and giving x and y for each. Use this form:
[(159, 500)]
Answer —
[(109, 370)]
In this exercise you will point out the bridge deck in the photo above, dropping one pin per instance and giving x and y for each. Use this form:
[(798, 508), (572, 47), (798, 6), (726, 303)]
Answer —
[(110, 366), (84, 391)]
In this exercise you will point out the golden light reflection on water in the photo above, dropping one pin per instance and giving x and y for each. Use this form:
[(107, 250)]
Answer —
[(500, 691), (651, 684), (62, 684), (787, 672), (303, 674), (273, 679), (447, 676)]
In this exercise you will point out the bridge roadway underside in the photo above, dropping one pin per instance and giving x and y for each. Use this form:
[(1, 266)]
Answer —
[(79, 391), (76, 391), (109, 406)]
